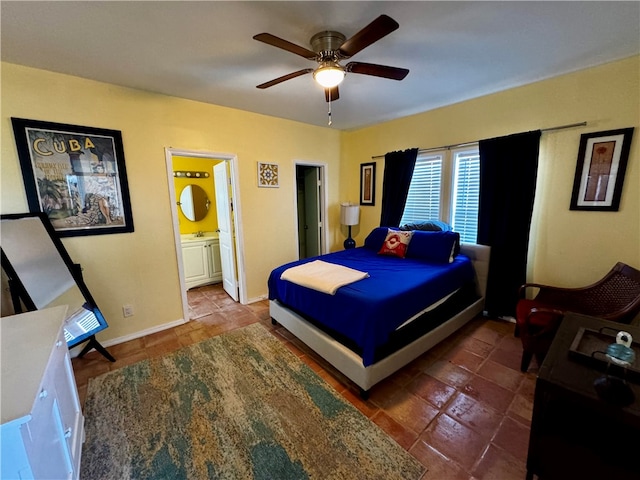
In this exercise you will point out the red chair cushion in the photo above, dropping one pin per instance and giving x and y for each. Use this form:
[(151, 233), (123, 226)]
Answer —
[(540, 319)]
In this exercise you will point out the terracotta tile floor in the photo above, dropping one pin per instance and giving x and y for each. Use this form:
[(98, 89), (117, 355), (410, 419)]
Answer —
[(463, 409)]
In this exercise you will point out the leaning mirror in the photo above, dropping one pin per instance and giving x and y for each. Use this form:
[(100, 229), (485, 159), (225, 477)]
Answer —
[(194, 202), (41, 275)]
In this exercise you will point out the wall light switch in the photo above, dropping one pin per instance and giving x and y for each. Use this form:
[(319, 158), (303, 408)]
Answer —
[(127, 310)]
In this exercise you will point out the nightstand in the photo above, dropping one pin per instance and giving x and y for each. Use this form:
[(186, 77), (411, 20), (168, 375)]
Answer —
[(574, 433)]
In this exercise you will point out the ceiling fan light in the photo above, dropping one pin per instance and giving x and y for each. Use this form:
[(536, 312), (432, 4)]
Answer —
[(329, 74)]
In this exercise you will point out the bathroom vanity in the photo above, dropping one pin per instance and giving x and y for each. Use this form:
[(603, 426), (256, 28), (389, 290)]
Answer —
[(201, 259)]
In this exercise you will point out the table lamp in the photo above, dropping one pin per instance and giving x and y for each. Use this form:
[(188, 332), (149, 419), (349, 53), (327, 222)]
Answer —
[(349, 215)]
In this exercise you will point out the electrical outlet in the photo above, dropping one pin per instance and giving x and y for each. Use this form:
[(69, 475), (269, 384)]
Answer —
[(127, 310)]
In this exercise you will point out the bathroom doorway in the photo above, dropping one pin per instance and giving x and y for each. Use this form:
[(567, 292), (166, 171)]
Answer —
[(232, 263), (311, 209)]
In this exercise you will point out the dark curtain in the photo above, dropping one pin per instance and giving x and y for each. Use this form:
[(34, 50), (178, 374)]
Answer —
[(508, 168), (398, 170)]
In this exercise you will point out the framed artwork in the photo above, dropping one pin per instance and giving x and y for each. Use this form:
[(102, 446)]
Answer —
[(602, 162), (75, 175), (268, 175), (368, 183)]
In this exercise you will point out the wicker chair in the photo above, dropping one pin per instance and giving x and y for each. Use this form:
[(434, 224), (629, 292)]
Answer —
[(615, 297)]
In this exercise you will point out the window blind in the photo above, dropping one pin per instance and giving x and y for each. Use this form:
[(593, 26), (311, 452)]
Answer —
[(466, 192), (423, 199)]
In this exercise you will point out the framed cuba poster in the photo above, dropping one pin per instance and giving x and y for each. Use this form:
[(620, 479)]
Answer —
[(75, 175)]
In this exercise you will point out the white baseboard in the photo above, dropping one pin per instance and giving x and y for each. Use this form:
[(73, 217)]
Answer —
[(75, 351), (258, 299)]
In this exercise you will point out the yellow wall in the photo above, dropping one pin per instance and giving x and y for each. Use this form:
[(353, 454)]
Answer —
[(140, 268), (210, 222), (567, 247)]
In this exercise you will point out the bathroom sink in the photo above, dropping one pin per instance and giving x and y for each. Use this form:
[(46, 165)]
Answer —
[(192, 237)]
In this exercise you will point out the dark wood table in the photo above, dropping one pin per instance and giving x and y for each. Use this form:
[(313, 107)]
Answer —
[(574, 432)]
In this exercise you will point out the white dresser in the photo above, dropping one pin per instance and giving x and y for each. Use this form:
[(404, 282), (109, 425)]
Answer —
[(42, 423), (201, 259)]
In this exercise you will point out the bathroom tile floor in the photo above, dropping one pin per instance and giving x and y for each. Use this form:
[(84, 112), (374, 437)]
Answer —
[(463, 409)]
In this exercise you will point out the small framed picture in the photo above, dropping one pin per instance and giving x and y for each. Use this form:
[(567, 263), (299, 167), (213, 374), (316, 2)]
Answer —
[(75, 175), (368, 183), (268, 175), (602, 162)]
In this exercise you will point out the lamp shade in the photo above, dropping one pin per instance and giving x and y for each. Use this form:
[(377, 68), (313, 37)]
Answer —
[(349, 214), (329, 74)]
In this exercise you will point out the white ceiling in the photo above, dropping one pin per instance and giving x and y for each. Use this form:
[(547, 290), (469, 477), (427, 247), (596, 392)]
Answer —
[(204, 50)]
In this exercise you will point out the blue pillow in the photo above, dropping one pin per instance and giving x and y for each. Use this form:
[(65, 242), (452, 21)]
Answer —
[(437, 247), (427, 226), (376, 238)]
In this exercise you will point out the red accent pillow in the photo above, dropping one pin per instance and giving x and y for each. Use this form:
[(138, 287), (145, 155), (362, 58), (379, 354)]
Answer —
[(396, 243)]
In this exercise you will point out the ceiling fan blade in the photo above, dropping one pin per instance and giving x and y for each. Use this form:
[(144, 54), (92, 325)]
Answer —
[(285, 45), (284, 78), (384, 71), (331, 94), (380, 27)]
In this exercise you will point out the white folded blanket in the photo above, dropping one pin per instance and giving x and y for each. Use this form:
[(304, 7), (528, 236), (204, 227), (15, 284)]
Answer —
[(322, 276)]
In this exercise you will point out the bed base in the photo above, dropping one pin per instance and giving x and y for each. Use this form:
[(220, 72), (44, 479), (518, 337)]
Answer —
[(350, 364)]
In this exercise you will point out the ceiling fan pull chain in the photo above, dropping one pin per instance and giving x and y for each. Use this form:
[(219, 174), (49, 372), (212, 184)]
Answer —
[(329, 112)]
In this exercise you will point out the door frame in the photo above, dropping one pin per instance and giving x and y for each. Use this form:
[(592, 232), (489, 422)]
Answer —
[(237, 225), (324, 194)]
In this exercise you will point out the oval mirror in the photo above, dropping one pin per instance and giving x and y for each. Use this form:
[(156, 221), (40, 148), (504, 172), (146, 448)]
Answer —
[(194, 202)]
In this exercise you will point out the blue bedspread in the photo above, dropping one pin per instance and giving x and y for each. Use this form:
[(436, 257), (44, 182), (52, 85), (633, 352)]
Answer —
[(368, 310)]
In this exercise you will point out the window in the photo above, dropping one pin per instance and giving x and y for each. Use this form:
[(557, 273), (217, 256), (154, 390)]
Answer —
[(466, 193), (446, 186), (423, 200)]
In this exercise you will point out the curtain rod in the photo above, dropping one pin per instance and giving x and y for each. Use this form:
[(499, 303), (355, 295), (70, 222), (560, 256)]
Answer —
[(448, 147)]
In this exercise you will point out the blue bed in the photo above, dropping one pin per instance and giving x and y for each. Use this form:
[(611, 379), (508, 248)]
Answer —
[(368, 310), (371, 328)]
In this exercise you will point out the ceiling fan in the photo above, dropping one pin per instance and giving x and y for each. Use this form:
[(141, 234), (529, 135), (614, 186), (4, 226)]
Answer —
[(329, 48)]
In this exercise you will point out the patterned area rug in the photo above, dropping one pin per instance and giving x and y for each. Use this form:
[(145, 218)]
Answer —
[(236, 406)]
